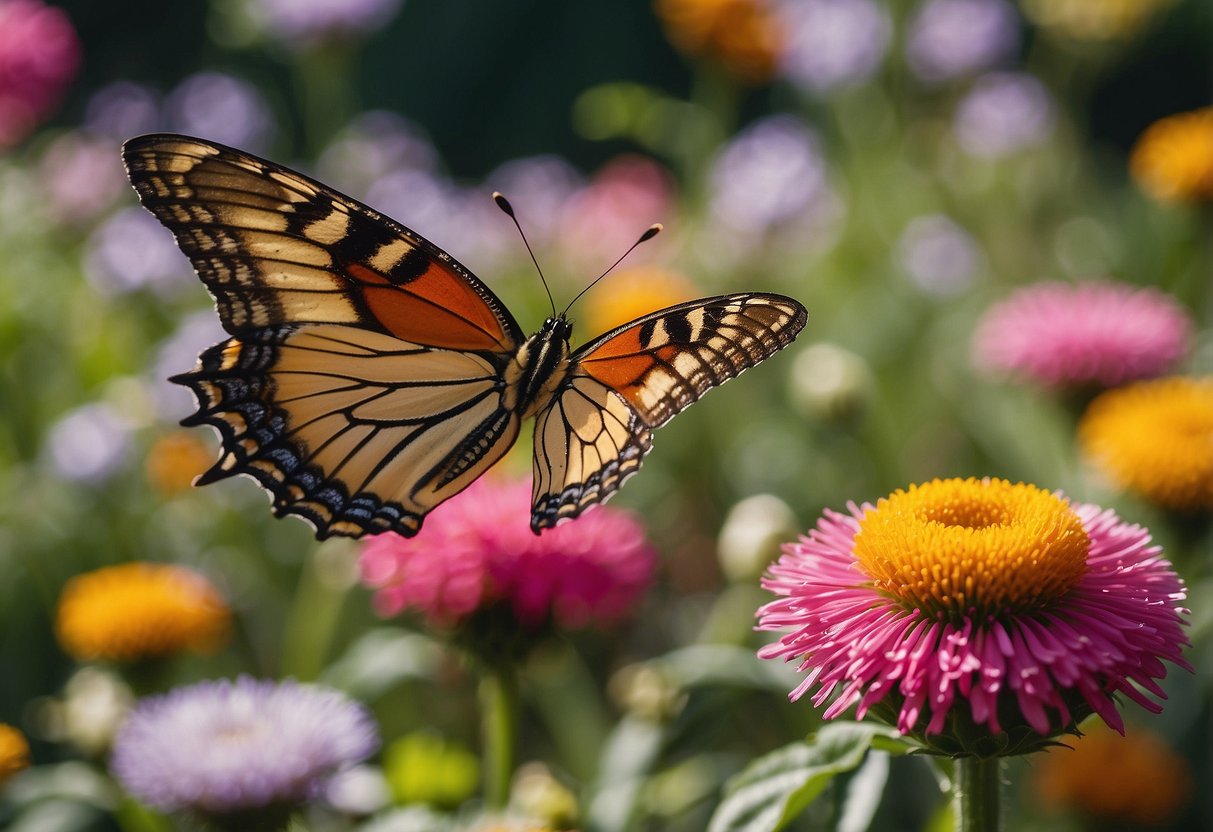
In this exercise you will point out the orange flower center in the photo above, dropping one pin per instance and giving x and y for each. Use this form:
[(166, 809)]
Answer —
[(968, 546)]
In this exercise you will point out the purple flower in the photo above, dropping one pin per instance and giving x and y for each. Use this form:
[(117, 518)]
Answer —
[(306, 22), (1003, 113), (178, 353), (769, 174), (82, 176), (833, 43), (132, 251), (965, 608), (39, 54), (121, 110), (373, 145), (948, 38), (939, 256), (1094, 333), (222, 108), (224, 748), (90, 443)]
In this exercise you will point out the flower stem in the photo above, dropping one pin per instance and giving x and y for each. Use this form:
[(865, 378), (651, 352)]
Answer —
[(976, 792), (499, 710)]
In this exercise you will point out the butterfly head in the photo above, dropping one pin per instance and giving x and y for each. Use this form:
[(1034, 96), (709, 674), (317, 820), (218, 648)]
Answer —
[(557, 326)]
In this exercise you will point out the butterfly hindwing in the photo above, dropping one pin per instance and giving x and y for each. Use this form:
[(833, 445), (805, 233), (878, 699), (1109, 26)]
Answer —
[(364, 382), (634, 379)]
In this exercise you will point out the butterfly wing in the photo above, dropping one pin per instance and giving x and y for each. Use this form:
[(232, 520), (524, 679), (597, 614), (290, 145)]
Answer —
[(364, 380), (623, 385)]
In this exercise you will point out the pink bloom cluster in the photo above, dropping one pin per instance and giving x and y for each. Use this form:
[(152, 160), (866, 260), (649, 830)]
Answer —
[(1102, 333), (478, 549), (1107, 636), (39, 53)]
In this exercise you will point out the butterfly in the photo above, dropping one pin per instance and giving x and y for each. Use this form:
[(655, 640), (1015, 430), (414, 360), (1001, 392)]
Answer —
[(369, 376)]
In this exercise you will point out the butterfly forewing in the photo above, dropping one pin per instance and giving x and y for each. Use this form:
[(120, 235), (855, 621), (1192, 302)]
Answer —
[(634, 379), (364, 382)]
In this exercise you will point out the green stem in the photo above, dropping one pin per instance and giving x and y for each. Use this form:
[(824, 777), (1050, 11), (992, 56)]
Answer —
[(313, 618), (499, 720), (976, 790)]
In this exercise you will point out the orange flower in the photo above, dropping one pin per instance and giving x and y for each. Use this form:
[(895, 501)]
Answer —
[(14, 752), (140, 610), (741, 34), (1136, 778), (175, 460), (1173, 158), (1155, 438), (630, 293)]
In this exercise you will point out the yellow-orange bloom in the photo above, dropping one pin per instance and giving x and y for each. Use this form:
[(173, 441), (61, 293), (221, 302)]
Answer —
[(1173, 158), (630, 293), (174, 460), (1155, 438), (741, 34), (1093, 19), (14, 751), (140, 610), (1135, 778)]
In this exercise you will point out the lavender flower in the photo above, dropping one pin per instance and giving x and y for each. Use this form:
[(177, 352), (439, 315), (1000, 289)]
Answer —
[(833, 43), (939, 256), (245, 749), (82, 176), (303, 23), (177, 353), (371, 146), (948, 38), (122, 109), (132, 251), (221, 107), (89, 443), (1005, 112)]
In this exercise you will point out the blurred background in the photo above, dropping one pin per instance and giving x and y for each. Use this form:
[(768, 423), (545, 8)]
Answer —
[(899, 167)]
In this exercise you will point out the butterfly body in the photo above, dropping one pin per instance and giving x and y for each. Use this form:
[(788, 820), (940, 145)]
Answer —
[(369, 376)]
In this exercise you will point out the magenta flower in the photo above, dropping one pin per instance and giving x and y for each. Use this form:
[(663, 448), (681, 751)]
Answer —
[(974, 607), (1092, 333), (39, 54), (477, 551)]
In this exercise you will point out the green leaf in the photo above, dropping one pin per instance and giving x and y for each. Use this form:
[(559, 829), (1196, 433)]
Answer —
[(776, 788)]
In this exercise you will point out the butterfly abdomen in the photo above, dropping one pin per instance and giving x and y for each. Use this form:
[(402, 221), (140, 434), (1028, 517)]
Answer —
[(540, 365)]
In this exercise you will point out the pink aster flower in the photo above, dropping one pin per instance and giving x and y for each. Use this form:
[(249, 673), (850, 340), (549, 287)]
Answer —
[(1093, 333), (477, 551), (973, 607), (39, 54)]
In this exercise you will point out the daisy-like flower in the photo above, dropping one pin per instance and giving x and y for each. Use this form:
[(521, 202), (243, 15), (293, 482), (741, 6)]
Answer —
[(14, 752), (743, 35), (1173, 159), (1136, 779), (243, 754), (477, 552), (1097, 333), (140, 611), (1155, 438), (979, 616)]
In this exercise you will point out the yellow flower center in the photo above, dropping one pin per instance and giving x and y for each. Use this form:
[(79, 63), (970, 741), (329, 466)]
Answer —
[(14, 751), (140, 610), (1156, 438), (1173, 159), (987, 547)]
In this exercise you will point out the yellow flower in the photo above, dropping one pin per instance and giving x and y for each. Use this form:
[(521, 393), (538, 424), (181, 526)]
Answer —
[(630, 293), (1173, 158), (140, 610), (1093, 19), (14, 752), (1136, 778), (741, 34), (1155, 438), (175, 460)]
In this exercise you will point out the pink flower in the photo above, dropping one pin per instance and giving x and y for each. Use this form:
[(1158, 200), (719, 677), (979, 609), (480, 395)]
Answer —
[(1093, 333), (39, 53), (478, 550), (976, 603)]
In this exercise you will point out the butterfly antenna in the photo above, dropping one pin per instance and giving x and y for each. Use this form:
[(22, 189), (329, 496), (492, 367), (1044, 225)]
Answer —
[(508, 210), (649, 233)]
